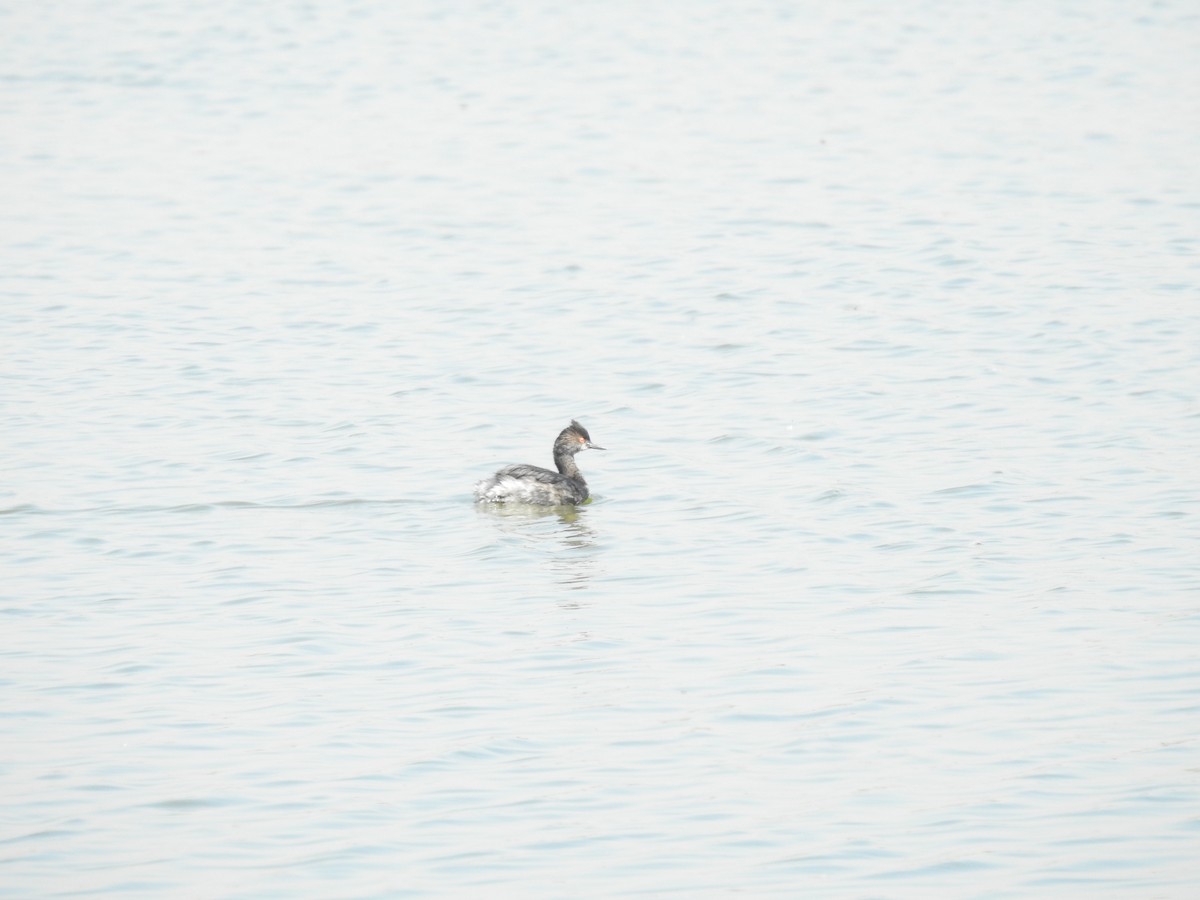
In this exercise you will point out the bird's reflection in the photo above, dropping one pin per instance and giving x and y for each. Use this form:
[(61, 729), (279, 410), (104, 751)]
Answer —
[(560, 534)]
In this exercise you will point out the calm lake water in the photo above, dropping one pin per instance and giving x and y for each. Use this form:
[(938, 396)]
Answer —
[(889, 315)]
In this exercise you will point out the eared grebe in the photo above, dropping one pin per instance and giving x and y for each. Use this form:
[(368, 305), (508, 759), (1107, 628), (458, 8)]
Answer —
[(533, 484)]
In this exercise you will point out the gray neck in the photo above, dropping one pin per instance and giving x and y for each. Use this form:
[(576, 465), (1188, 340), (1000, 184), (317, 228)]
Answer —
[(566, 465)]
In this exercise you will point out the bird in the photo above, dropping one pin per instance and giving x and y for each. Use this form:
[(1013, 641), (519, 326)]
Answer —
[(534, 485)]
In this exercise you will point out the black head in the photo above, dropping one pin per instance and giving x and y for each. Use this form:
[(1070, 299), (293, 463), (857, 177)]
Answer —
[(574, 438)]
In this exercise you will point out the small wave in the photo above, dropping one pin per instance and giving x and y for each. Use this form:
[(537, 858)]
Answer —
[(28, 509)]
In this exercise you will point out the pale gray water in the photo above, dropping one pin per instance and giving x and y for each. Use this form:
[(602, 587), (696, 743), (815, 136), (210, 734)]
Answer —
[(888, 314)]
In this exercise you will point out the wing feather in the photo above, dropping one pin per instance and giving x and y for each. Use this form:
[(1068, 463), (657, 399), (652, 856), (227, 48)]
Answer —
[(537, 473)]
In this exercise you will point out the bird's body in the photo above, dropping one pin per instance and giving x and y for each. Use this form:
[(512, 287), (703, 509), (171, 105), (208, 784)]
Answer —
[(542, 487)]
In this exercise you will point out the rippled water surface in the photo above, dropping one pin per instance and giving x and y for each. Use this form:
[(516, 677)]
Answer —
[(888, 314)]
